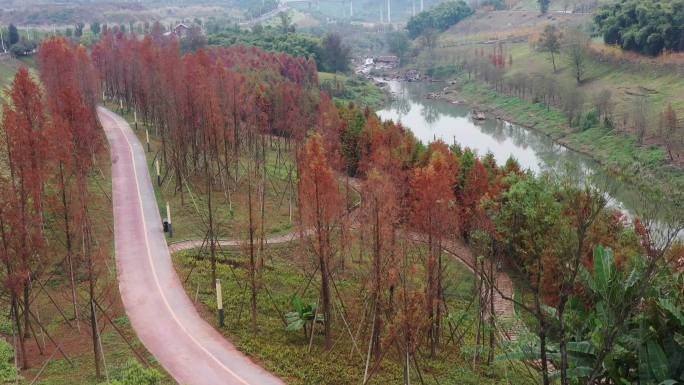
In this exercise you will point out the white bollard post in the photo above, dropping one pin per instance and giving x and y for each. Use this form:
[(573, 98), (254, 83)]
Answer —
[(219, 302), (156, 165), (168, 218)]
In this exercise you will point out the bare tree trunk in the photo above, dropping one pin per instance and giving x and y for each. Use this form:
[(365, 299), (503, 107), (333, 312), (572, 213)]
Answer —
[(69, 246), (17, 320), (27, 304), (252, 256)]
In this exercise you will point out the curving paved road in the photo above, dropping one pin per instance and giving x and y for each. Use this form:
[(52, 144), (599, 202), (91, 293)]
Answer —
[(162, 315)]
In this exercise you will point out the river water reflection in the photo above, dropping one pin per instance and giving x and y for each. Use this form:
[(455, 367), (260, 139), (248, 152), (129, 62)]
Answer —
[(437, 119)]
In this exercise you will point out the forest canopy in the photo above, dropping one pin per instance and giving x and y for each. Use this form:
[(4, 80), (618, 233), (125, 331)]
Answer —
[(439, 18), (645, 26)]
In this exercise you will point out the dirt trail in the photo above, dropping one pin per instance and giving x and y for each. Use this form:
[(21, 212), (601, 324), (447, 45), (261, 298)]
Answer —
[(509, 325), (161, 314)]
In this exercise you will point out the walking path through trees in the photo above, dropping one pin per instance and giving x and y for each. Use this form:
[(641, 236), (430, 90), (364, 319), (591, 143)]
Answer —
[(164, 318), (509, 326)]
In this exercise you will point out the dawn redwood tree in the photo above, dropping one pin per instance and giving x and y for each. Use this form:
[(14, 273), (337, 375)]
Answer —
[(24, 126), (380, 219), (434, 216), (72, 92), (475, 187), (321, 205), (583, 206)]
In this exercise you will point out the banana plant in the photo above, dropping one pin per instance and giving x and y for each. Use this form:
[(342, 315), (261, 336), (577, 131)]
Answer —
[(649, 349), (302, 315)]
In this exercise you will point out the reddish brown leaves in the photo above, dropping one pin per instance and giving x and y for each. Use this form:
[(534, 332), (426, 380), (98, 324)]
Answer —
[(433, 203)]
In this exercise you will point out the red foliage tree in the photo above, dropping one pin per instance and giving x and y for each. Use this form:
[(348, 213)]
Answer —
[(321, 208), (72, 91), (25, 126), (433, 213)]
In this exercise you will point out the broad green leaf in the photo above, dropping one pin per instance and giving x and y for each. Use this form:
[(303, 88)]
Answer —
[(657, 361), (679, 339), (632, 279), (644, 374), (587, 278), (602, 270), (584, 347), (666, 304), (669, 382), (298, 305), (550, 310), (297, 325)]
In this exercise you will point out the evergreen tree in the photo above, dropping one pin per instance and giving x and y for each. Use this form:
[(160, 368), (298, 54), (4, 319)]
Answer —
[(13, 34)]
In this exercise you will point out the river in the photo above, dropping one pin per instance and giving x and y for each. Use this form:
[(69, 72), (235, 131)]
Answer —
[(437, 119)]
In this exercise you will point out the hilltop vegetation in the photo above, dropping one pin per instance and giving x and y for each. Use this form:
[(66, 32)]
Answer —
[(439, 18), (645, 26)]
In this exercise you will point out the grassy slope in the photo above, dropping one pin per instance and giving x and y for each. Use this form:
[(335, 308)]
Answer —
[(621, 81), (617, 150), (355, 90), (286, 353)]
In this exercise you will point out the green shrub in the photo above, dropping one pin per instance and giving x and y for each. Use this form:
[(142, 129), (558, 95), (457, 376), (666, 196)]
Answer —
[(135, 374), (439, 18), (590, 120), (443, 72), (7, 368)]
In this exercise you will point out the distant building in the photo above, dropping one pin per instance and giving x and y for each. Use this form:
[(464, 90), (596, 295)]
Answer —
[(181, 30), (387, 60)]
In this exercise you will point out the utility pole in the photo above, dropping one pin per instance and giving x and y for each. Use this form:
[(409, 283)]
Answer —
[(421, 5), (351, 8), (389, 13)]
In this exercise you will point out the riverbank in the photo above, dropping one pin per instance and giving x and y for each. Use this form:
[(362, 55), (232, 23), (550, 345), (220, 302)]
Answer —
[(646, 167), (352, 89)]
